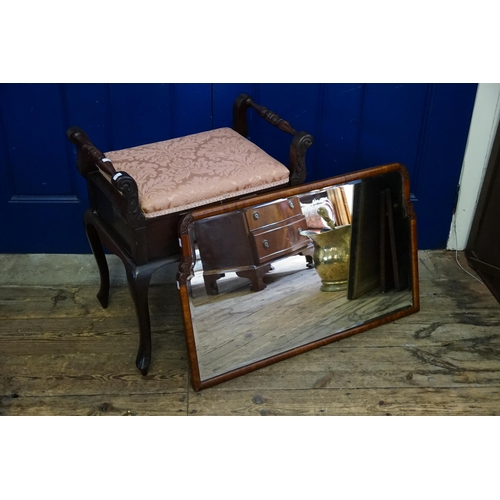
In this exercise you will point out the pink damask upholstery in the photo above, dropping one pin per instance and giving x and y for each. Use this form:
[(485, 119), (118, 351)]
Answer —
[(198, 169)]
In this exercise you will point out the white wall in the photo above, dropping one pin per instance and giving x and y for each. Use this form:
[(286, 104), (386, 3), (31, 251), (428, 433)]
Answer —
[(485, 118)]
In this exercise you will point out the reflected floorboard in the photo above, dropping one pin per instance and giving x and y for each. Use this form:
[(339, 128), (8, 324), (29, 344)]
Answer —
[(238, 327)]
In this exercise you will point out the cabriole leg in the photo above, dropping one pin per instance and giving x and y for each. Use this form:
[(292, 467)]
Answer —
[(138, 281), (100, 257)]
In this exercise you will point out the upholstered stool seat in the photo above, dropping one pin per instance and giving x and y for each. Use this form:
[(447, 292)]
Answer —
[(139, 194), (198, 169)]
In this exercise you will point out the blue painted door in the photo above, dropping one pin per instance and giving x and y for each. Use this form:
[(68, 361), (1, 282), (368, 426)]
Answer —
[(356, 126), (42, 196)]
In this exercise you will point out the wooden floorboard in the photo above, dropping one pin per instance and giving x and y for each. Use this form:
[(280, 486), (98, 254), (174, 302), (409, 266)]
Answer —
[(62, 354), (346, 402), (159, 404)]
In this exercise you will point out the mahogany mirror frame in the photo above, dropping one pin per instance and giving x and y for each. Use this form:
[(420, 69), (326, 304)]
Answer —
[(187, 264)]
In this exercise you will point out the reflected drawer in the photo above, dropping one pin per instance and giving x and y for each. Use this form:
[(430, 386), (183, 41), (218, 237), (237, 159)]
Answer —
[(264, 215), (280, 239)]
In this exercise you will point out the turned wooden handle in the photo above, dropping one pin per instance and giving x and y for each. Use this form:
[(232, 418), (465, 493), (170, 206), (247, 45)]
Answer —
[(89, 157)]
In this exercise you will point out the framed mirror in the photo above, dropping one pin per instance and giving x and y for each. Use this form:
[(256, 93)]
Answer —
[(281, 273)]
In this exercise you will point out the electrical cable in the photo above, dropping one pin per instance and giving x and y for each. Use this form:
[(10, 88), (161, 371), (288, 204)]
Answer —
[(456, 251)]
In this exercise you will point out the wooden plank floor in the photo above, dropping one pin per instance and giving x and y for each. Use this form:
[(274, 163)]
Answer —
[(61, 354)]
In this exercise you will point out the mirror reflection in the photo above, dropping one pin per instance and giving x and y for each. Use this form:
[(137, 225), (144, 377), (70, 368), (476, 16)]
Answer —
[(271, 278)]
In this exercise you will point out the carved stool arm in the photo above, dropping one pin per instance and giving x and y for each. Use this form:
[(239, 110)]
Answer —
[(300, 143), (91, 159)]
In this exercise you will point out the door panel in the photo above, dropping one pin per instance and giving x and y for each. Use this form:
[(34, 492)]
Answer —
[(43, 197), (356, 126), (390, 124), (338, 129), (40, 204), (439, 163), (40, 106)]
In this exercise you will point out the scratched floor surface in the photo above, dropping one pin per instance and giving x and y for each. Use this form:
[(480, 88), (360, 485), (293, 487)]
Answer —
[(61, 354)]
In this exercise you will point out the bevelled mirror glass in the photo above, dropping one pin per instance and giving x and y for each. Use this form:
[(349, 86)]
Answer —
[(278, 274)]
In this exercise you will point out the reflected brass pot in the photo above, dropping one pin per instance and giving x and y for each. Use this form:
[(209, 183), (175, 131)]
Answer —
[(331, 256)]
